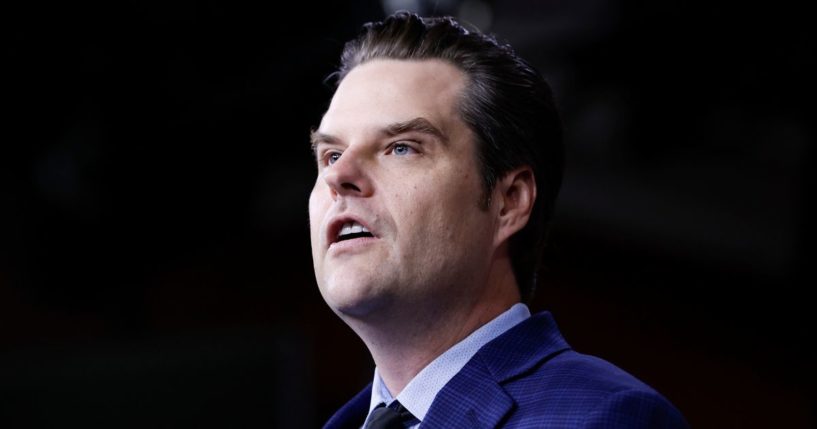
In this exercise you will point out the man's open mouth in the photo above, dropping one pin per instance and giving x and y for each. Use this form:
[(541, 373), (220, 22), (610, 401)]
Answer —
[(351, 230)]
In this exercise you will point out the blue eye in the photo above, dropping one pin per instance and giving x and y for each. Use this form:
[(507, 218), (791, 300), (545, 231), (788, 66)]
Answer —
[(332, 158), (401, 149)]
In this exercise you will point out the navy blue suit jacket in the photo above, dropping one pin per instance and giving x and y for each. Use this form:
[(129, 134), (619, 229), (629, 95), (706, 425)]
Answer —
[(529, 377)]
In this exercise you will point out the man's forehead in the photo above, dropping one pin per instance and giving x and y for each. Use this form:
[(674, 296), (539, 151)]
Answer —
[(383, 92)]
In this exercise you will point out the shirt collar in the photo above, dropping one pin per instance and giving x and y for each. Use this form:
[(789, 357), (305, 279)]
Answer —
[(420, 392)]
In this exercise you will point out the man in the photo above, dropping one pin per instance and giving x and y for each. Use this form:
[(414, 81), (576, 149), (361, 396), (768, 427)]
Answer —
[(439, 160)]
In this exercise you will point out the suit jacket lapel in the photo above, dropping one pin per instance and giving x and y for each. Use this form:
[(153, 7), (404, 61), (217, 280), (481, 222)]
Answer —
[(475, 398), (353, 413), (472, 399)]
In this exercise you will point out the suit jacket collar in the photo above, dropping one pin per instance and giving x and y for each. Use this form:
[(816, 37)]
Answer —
[(475, 398), (521, 348)]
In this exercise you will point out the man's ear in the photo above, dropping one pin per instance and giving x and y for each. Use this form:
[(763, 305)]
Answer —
[(514, 195)]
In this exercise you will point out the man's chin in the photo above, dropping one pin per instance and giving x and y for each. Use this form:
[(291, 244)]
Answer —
[(359, 303), (359, 309)]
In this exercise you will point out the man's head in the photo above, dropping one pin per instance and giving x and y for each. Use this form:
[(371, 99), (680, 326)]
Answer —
[(484, 116)]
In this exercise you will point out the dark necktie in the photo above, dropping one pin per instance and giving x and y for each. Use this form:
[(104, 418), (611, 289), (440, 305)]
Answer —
[(395, 416)]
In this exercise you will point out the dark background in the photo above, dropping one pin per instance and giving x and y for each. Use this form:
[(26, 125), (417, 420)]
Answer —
[(155, 268)]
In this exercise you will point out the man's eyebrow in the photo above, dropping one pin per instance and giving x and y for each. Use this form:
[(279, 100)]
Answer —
[(317, 137), (420, 124)]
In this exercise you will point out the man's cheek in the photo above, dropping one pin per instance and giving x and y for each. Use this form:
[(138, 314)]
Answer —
[(317, 211)]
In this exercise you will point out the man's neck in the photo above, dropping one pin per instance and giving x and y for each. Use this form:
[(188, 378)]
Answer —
[(404, 343)]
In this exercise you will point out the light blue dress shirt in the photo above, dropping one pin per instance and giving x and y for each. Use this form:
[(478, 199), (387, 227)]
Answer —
[(420, 392)]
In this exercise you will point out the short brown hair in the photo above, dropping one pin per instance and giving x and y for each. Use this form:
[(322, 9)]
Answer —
[(506, 103)]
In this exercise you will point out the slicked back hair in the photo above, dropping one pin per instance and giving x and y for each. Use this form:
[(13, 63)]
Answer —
[(506, 103)]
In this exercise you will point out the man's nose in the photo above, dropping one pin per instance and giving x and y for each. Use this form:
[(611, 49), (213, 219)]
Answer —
[(347, 176)]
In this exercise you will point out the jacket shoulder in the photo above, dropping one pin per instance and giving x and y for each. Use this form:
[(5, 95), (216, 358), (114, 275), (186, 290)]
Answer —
[(584, 391)]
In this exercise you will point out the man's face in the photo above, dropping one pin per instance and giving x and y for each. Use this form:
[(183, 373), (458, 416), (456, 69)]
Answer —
[(394, 214)]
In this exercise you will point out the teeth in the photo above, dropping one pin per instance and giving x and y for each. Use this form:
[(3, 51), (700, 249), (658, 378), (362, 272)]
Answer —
[(352, 228)]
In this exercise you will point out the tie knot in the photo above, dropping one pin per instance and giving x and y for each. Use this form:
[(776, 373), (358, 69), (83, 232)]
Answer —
[(395, 416)]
